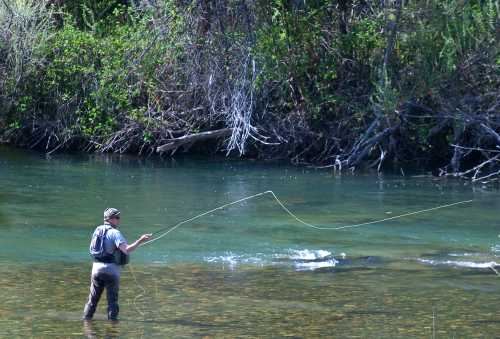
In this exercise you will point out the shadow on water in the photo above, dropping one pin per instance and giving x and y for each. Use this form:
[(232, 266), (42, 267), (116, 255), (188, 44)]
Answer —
[(3, 216)]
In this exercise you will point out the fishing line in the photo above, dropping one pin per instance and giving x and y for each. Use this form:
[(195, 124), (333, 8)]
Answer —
[(144, 292), (167, 230), (164, 231)]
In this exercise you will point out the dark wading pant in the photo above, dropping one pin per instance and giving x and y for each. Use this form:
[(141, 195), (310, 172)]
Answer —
[(98, 283)]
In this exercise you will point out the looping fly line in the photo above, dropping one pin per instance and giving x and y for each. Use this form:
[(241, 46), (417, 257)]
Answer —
[(168, 230)]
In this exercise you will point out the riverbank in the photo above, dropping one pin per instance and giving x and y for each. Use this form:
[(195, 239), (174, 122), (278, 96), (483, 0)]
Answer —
[(350, 85)]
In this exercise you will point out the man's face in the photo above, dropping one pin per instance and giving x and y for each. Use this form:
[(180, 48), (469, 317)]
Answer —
[(115, 221)]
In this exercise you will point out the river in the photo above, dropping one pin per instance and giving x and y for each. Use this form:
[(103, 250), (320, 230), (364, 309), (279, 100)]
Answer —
[(249, 270)]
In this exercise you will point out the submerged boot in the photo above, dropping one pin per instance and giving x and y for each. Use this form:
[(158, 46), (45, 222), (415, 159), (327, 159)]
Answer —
[(88, 311), (113, 312)]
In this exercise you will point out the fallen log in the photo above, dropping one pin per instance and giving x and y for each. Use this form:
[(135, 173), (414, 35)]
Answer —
[(188, 140), (491, 132)]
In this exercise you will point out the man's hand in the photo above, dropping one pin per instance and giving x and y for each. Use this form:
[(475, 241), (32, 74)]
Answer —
[(145, 237), (129, 248)]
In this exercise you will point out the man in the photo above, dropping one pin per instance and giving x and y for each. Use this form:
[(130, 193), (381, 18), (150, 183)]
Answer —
[(105, 270)]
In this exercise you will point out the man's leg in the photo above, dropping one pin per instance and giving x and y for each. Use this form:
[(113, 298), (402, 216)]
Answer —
[(96, 288), (112, 287)]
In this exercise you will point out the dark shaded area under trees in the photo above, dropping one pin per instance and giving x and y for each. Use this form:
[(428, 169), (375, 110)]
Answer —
[(342, 84)]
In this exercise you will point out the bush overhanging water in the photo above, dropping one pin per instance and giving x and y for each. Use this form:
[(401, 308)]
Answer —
[(346, 84)]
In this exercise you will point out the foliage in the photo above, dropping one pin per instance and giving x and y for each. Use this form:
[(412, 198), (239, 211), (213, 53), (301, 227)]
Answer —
[(24, 28), (344, 80)]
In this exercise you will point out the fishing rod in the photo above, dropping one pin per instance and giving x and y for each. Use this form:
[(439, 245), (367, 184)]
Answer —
[(164, 231)]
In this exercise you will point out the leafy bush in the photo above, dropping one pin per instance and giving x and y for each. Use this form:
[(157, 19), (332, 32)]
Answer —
[(25, 26), (331, 75)]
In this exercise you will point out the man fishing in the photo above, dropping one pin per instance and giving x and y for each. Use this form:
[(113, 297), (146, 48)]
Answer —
[(110, 251)]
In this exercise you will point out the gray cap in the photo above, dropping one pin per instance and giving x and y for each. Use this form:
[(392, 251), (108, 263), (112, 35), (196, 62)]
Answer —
[(110, 213)]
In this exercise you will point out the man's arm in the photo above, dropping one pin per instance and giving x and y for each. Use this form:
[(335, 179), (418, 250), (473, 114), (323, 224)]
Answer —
[(126, 249)]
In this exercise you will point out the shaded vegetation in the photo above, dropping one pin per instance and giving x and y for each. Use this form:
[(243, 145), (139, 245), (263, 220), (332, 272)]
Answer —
[(346, 84)]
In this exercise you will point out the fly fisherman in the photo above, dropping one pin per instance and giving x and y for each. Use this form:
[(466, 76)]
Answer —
[(110, 251)]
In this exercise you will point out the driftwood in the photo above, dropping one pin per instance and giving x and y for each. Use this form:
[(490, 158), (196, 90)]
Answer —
[(188, 140)]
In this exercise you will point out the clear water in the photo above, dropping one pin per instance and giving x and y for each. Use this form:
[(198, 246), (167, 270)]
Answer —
[(249, 270)]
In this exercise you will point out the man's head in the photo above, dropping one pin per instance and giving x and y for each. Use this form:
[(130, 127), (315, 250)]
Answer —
[(112, 216)]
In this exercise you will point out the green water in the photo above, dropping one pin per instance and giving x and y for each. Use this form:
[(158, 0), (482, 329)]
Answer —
[(249, 270)]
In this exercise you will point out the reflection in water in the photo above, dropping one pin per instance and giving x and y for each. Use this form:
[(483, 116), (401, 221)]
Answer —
[(106, 330)]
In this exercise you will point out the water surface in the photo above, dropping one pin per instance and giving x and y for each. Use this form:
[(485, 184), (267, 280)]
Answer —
[(249, 270)]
